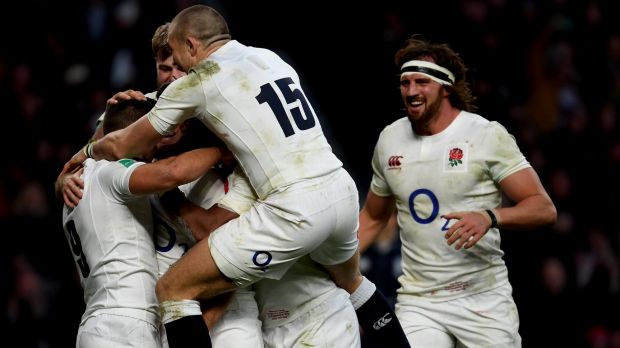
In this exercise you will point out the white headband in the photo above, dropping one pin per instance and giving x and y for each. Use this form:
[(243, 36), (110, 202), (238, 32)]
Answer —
[(432, 70)]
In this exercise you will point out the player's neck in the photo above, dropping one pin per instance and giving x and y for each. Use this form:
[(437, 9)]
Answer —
[(444, 117)]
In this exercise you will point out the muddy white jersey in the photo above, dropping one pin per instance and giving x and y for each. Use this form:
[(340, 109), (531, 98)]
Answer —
[(110, 236), (253, 100), (456, 170)]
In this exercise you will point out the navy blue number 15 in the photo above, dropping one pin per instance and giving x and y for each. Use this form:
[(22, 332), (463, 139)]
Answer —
[(291, 94)]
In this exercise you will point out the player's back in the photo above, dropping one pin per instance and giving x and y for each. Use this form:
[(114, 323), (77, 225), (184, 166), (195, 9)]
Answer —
[(255, 102), (110, 235)]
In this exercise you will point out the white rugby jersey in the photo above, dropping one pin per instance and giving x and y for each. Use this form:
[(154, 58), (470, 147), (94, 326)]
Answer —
[(456, 170), (110, 236), (253, 101), (172, 238)]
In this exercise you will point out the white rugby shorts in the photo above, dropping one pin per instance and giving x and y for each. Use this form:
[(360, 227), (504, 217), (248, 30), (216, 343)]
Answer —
[(317, 217), (333, 323), (486, 319), (111, 330)]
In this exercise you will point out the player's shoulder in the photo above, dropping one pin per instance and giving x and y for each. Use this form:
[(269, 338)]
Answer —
[(397, 126), (105, 167), (252, 57), (476, 121)]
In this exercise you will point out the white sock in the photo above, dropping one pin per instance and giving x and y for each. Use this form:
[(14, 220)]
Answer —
[(174, 310), (362, 293)]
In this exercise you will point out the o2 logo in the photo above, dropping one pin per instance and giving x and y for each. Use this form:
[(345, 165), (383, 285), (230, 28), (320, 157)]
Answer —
[(161, 224), (262, 259), (434, 212)]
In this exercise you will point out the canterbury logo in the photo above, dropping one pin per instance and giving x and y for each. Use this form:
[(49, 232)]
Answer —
[(379, 324), (394, 161)]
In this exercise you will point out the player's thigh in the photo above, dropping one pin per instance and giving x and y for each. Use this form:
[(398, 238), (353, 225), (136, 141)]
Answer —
[(488, 318), (430, 338), (341, 243), (117, 331), (332, 323), (194, 276), (421, 327), (342, 327), (266, 240), (240, 326), (339, 253)]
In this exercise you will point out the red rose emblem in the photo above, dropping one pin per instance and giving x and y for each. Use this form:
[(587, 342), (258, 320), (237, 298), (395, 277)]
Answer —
[(456, 155)]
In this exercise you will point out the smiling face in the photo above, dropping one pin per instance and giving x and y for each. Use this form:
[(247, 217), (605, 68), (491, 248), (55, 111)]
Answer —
[(422, 98)]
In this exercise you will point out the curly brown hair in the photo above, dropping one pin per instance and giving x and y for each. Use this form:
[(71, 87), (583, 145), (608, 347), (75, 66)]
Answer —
[(416, 47)]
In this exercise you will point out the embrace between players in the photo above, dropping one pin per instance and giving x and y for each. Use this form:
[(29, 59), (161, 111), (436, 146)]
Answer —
[(272, 218)]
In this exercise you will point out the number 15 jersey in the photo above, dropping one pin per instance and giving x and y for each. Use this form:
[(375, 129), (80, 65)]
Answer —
[(251, 99)]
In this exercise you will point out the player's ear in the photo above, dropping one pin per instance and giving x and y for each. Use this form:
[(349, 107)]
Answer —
[(192, 45)]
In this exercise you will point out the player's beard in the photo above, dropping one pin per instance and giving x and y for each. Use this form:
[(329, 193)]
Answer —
[(422, 122)]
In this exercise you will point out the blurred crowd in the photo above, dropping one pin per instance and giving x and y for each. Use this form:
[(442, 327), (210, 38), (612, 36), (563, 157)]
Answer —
[(549, 71)]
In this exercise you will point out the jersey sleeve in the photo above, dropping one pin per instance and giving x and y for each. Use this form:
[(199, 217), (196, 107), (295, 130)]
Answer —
[(379, 185), (181, 100), (115, 179), (240, 196), (505, 157)]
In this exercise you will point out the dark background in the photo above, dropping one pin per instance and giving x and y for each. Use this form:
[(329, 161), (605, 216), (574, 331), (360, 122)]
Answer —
[(549, 71)]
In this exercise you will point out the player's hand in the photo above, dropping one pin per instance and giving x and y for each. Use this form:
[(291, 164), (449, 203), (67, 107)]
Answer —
[(126, 95), (468, 230), (69, 186), (73, 164)]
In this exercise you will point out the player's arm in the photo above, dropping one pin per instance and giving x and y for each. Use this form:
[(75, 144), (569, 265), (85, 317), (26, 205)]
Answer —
[(201, 222), (374, 218), (533, 207), (68, 186), (132, 141), (197, 219), (173, 171), (129, 142)]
